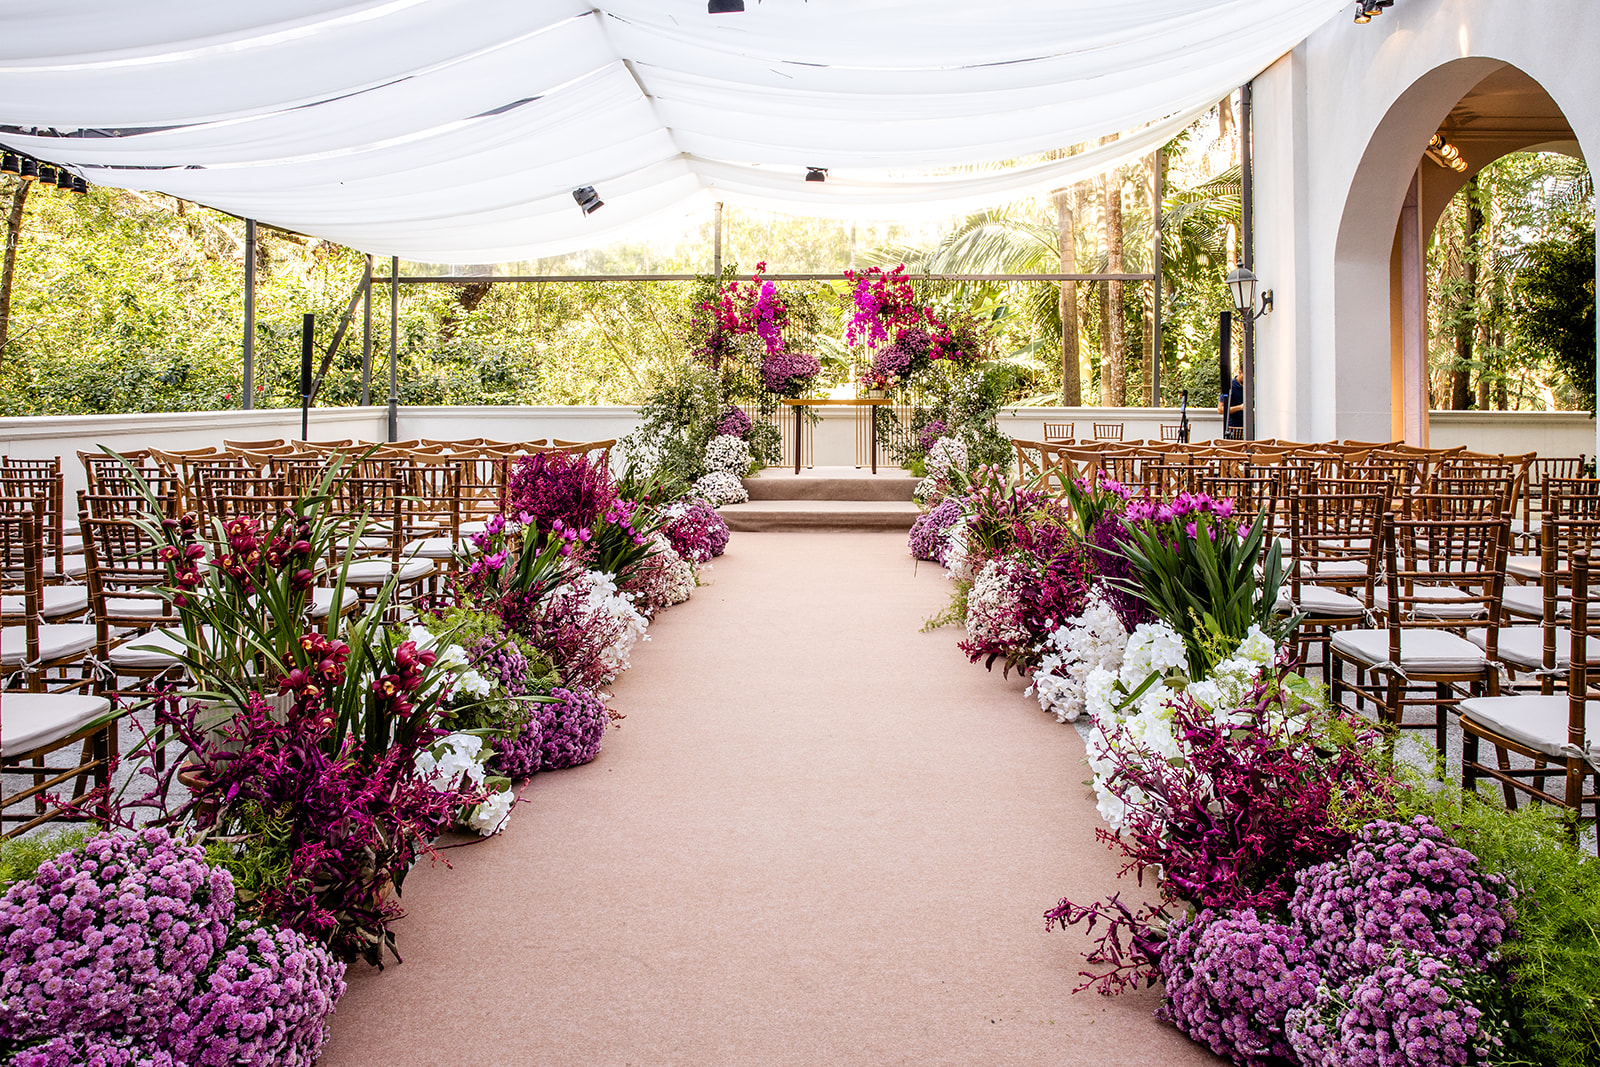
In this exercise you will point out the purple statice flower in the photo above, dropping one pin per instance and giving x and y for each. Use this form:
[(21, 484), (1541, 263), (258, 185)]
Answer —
[(699, 534), (520, 756), (1406, 886), (265, 1003), (929, 534), (1413, 1010), (789, 373), (1231, 978), (734, 423), (548, 487), (931, 431), (573, 724), (110, 937), (1109, 536)]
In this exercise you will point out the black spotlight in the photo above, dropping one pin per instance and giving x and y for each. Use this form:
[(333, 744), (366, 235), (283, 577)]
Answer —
[(724, 7), (79, 185), (588, 199), (10, 163), (30, 169), (47, 174), (816, 174), (64, 180)]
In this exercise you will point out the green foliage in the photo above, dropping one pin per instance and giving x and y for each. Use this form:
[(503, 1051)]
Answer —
[(677, 418), (20, 857), (1555, 306), (1555, 985), (259, 854)]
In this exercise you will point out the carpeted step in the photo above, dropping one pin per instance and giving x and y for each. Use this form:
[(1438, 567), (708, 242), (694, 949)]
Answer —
[(824, 483), (819, 516)]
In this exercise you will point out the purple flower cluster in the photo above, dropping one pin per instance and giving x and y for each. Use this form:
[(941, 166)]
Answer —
[(265, 1003), (109, 937), (734, 423), (521, 756), (1230, 980), (1186, 510), (1109, 536), (551, 486), (931, 431), (1414, 1010), (1401, 885), (124, 952), (789, 373), (928, 538), (573, 726), (500, 661), (699, 534)]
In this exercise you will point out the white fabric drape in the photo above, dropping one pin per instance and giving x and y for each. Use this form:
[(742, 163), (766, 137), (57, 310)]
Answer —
[(455, 130)]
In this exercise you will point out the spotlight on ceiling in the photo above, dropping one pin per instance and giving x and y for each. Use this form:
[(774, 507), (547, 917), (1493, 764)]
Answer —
[(64, 180), (724, 7), (1445, 154), (816, 174), (47, 174), (1366, 9), (30, 169), (10, 163), (588, 199), (79, 185)]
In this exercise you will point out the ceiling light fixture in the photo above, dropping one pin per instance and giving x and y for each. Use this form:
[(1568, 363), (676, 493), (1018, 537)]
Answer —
[(1445, 154), (30, 169), (64, 179), (588, 199), (47, 174), (79, 185), (10, 163), (1366, 9), (724, 7), (816, 174)]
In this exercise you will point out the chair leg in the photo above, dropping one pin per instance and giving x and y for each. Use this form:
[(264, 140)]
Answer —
[(1469, 761), (1503, 758)]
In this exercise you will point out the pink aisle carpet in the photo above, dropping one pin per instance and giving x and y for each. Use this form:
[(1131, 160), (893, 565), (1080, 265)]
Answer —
[(819, 837)]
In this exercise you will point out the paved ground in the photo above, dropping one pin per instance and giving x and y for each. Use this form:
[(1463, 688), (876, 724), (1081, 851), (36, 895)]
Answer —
[(819, 837)]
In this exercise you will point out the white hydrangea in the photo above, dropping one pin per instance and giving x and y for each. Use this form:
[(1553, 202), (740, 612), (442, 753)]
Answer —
[(1094, 641), (491, 817), (728, 454), (720, 487), (947, 454)]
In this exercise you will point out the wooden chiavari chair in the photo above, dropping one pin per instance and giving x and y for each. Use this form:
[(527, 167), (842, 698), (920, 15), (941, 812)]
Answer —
[(1333, 561), (31, 647), (1056, 433)]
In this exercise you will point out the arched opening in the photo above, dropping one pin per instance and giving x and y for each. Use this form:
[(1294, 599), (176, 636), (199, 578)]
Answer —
[(1484, 108)]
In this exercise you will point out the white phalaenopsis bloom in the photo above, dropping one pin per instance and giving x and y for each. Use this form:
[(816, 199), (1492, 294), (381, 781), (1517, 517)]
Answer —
[(1093, 641), (491, 816), (600, 590), (453, 760), (473, 684)]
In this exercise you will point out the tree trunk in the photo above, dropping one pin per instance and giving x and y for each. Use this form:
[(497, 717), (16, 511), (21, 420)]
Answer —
[(1114, 367), (468, 297), (1461, 375), (19, 198), (1066, 238)]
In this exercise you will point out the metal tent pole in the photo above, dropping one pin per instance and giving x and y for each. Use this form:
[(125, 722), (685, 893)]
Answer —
[(249, 314), (1155, 268), (366, 336), (1247, 249), (394, 348), (716, 242)]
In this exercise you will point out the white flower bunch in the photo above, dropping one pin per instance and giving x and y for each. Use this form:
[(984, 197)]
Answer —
[(947, 454), (604, 599), (454, 760), (490, 817), (957, 561), (1094, 641), (459, 677), (720, 487), (728, 454), (992, 606)]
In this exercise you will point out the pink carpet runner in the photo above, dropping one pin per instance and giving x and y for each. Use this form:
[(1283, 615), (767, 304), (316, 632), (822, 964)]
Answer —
[(819, 837)]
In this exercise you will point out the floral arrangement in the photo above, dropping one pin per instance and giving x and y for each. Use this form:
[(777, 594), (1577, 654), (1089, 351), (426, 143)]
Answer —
[(558, 486), (662, 580), (127, 950), (790, 374), (894, 364), (882, 305), (729, 454), (720, 488), (587, 626), (929, 537), (572, 726), (930, 432), (946, 467), (1073, 652), (695, 531), (734, 423)]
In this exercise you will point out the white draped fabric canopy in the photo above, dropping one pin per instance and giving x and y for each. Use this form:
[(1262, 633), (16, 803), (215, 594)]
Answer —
[(456, 130)]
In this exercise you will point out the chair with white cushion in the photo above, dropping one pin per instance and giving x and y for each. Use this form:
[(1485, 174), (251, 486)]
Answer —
[(1441, 577), (32, 648), (1333, 556), (1558, 733), (34, 727)]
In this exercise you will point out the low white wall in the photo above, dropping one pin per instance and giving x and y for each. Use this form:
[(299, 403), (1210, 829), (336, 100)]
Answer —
[(1138, 424), (1550, 433)]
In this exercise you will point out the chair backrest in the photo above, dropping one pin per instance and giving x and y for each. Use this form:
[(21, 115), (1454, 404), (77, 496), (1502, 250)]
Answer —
[(1172, 431), (225, 494), (380, 504), (1502, 485), (1108, 431), (1445, 572), (42, 484), (254, 446), (431, 490), (1569, 497), (123, 570), (22, 571), (1337, 528), (1057, 432), (1583, 681)]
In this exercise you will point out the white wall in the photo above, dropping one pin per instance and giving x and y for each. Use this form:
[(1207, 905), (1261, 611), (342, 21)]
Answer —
[(1340, 124)]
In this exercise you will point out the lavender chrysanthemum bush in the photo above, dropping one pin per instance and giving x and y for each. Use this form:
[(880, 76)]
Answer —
[(734, 423), (574, 725), (1402, 885), (125, 952), (696, 531), (1414, 1010), (1230, 980), (519, 757), (929, 537), (789, 373)]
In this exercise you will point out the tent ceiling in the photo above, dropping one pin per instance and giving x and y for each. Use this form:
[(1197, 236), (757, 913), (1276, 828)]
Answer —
[(456, 130)]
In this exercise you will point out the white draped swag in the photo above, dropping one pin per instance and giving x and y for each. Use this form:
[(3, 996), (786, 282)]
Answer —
[(455, 131)]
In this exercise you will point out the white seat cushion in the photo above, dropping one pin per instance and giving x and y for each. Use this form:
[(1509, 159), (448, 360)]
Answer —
[(435, 548), (57, 641), (378, 571), (1526, 528), (1338, 568), (128, 607), (30, 721), (1538, 722), (71, 567), (322, 602), (1321, 603), (153, 651), (476, 527), (1528, 600), (59, 602), (1525, 567), (1523, 646), (1438, 603), (1421, 651)]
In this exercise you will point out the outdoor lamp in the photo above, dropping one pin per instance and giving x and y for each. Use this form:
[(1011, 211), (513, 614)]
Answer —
[(588, 199), (816, 174), (724, 7), (46, 174), (1243, 283), (79, 185)]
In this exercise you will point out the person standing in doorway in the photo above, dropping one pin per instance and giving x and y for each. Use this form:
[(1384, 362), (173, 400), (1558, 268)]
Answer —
[(1233, 408)]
